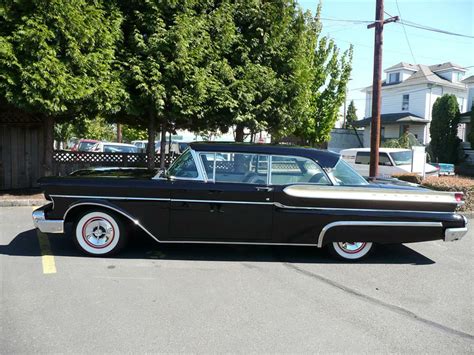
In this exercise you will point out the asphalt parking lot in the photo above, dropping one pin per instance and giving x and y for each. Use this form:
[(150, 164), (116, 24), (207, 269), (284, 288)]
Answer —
[(415, 298)]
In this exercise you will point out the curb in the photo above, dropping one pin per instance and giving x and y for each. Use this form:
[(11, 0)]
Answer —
[(23, 202)]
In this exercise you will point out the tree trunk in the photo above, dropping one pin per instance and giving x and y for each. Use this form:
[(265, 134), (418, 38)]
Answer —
[(119, 133), (163, 146), (48, 126), (239, 132), (151, 142)]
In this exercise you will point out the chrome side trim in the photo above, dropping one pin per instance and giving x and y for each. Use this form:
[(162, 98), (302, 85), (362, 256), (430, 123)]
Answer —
[(279, 205), (236, 243), (374, 224), (223, 202), (115, 197), (47, 225), (135, 221), (368, 194), (276, 204), (452, 234)]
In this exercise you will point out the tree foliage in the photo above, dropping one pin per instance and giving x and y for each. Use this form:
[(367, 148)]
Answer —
[(57, 57), (444, 128), (351, 115)]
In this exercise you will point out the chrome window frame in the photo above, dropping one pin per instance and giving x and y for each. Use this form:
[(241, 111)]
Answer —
[(213, 180), (269, 181), (201, 176)]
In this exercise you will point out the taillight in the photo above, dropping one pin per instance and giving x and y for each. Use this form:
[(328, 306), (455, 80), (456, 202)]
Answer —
[(459, 196)]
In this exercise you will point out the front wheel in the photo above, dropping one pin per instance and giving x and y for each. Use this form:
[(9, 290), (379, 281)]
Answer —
[(350, 250), (99, 233)]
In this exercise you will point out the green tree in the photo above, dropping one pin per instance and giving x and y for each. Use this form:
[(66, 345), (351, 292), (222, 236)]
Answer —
[(326, 79), (164, 65), (444, 143), (130, 133), (351, 115), (56, 59)]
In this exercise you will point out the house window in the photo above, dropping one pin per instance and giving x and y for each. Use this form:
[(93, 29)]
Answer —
[(394, 78), (405, 102)]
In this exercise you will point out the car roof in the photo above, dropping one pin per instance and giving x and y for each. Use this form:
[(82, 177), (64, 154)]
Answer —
[(88, 141), (119, 144), (323, 157)]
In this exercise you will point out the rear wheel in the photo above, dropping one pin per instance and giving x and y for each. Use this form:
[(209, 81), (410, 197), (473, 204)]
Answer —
[(350, 250), (99, 233)]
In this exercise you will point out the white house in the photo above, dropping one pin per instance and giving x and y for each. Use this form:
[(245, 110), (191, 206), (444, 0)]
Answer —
[(408, 94)]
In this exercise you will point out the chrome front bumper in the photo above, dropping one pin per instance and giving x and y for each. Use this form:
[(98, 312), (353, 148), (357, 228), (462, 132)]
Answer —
[(47, 225), (452, 234)]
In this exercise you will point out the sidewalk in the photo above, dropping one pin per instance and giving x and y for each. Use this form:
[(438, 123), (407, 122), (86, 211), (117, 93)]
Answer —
[(13, 200)]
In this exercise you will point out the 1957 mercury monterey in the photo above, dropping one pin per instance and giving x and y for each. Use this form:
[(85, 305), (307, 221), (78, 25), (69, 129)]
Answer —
[(230, 193)]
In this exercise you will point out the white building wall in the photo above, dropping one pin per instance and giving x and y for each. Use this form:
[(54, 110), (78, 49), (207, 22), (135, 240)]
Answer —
[(470, 100)]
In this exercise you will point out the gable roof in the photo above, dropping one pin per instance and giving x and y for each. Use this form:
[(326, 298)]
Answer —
[(469, 80), (393, 118), (443, 66), (402, 65), (423, 75)]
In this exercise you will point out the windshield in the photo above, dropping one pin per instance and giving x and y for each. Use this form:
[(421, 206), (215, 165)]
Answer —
[(402, 158), (85, 146), (120, 149), (343, 174)]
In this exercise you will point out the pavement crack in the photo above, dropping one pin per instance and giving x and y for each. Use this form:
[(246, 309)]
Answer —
[(391, 307)]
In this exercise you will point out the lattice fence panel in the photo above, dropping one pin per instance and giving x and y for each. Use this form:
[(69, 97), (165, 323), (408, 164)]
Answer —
[(66, 162)]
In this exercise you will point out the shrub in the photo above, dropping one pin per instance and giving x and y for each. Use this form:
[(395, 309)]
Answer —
[(454, 184), (409, 177)]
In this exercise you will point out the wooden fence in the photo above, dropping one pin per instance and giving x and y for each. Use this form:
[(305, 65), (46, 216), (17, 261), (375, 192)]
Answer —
[(65, 162)]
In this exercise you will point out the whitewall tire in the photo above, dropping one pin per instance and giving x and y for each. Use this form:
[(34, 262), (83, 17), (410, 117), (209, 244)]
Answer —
[(99, 233), (350, 250)]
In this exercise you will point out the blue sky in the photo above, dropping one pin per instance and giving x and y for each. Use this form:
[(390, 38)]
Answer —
[(428, 47)]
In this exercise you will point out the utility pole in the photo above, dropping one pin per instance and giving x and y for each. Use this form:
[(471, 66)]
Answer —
[(377, 87)]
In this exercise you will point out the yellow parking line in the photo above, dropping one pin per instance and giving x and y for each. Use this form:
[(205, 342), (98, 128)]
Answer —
[(47, 257)]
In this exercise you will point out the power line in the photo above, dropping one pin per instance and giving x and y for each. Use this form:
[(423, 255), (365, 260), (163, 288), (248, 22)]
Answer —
[(405, 31), (403, 22), (432, 29)]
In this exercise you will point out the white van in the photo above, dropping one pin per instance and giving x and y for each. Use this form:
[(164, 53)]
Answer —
[(391, 161)]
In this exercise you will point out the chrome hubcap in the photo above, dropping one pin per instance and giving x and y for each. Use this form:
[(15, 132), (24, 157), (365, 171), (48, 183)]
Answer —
[(352, 247), (98, 232)]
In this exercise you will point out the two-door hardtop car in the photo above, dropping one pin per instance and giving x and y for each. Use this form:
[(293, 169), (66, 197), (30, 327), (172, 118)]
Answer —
[(227, 193)]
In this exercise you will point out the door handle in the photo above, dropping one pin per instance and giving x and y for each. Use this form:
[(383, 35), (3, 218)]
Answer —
[(264, 188)]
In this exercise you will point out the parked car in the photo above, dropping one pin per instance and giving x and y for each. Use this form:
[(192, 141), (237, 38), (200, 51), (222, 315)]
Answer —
[(143, 144), (444, 168), (177, 147), (84, 145), (259, 194), (108, 147), (391, 161)]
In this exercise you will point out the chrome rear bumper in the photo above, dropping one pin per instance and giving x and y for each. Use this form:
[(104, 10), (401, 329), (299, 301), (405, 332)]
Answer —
[(47, 225), (452, 234)]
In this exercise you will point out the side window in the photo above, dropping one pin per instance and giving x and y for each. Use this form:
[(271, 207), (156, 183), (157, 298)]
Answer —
[(384, 159), (184, 167), (290, 170), (236, 167), (364, 158), (208, 160)]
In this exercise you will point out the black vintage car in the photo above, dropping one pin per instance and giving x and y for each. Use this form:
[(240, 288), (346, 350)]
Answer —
[(228, 193)]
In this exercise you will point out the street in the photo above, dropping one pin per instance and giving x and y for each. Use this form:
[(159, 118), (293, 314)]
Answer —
[(413, 298)]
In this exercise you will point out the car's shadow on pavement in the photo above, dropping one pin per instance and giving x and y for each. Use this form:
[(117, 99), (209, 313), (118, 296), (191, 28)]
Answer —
[(141, 246)]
